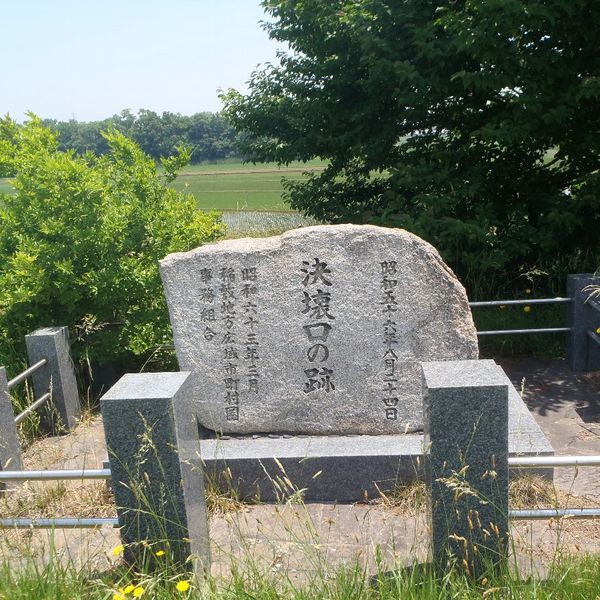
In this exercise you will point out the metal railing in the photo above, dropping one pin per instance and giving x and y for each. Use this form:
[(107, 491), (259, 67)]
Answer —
[(520, 302), (532, 462), (524, 302), (20, 379), (33, 407), (61, 522), (514, 462), (54, 475), (26, 373)]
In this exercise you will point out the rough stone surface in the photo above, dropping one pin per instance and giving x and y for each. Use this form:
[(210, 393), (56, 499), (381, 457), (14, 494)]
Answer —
[(320, 330), (153, 446), (466, 434), (10, 448), (52, 343)]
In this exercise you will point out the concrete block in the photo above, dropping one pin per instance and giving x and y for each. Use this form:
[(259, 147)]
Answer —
[(583, 342), (58, 375), (152, 440), (325, 468), (10, 447), (466, 434)]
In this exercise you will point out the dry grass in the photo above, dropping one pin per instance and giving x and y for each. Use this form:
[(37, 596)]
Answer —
[(531, 491), (220, 495), (37, 499), (406, 500)]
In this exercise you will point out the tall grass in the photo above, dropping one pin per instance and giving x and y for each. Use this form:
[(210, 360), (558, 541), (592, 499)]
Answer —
[(570, 578), (252, 574)]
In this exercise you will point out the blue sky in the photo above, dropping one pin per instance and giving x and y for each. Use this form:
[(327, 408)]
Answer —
[(90, 59)]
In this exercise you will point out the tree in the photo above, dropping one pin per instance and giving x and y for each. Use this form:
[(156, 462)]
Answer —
[(208, 135), (81, 239), (473, 123)]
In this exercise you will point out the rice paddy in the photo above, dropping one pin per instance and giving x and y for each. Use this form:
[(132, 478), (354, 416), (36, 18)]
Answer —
[(250, 195), (239, 186)]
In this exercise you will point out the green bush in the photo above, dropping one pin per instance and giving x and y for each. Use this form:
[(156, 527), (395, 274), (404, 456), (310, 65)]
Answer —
[(81, 239)]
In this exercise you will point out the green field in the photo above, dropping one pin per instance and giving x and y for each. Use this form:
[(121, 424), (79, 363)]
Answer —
[(237, 186), (233, 185)]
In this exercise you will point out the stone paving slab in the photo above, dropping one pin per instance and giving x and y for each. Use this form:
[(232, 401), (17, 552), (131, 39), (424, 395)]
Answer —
[(566, 405)]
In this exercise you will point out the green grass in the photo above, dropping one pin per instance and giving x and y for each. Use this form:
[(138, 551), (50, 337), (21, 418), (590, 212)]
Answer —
[(236, 186), (570, 578), (234, 164)]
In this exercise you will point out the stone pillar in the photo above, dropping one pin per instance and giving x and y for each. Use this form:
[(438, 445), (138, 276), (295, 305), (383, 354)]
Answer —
[(58, 375), (583, 342), (466, 436), (154, 453), (10, 447)]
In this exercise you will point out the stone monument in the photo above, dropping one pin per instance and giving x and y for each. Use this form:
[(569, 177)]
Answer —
[(306, 353), (318, 331)]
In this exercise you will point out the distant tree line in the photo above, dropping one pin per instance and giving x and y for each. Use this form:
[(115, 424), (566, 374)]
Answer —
[(208, 135)]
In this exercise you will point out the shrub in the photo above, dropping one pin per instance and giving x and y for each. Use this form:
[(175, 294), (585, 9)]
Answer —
[(80, 242)]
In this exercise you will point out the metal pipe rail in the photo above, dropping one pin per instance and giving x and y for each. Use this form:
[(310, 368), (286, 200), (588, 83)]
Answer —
[(554, 461), (520, 302), (26, 373), (54, 475), (60, 523), (531, 462), (517, 331), (41, 400), (554, 513), (71, 474)]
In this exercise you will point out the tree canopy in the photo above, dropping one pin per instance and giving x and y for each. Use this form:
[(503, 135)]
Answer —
[(208, 135), (473, 123)]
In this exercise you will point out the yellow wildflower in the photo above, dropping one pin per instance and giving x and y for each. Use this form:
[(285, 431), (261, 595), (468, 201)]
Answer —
[(118, 596), (182, 586), (139, 591), (160, 553), (129, 589), (118, 550), (527, 308), (598, 330)]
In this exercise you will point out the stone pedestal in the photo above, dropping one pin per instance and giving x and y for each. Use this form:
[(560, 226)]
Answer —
[(466, 434), (57, 375), (583, 342), (10, 448), (154, 453)]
